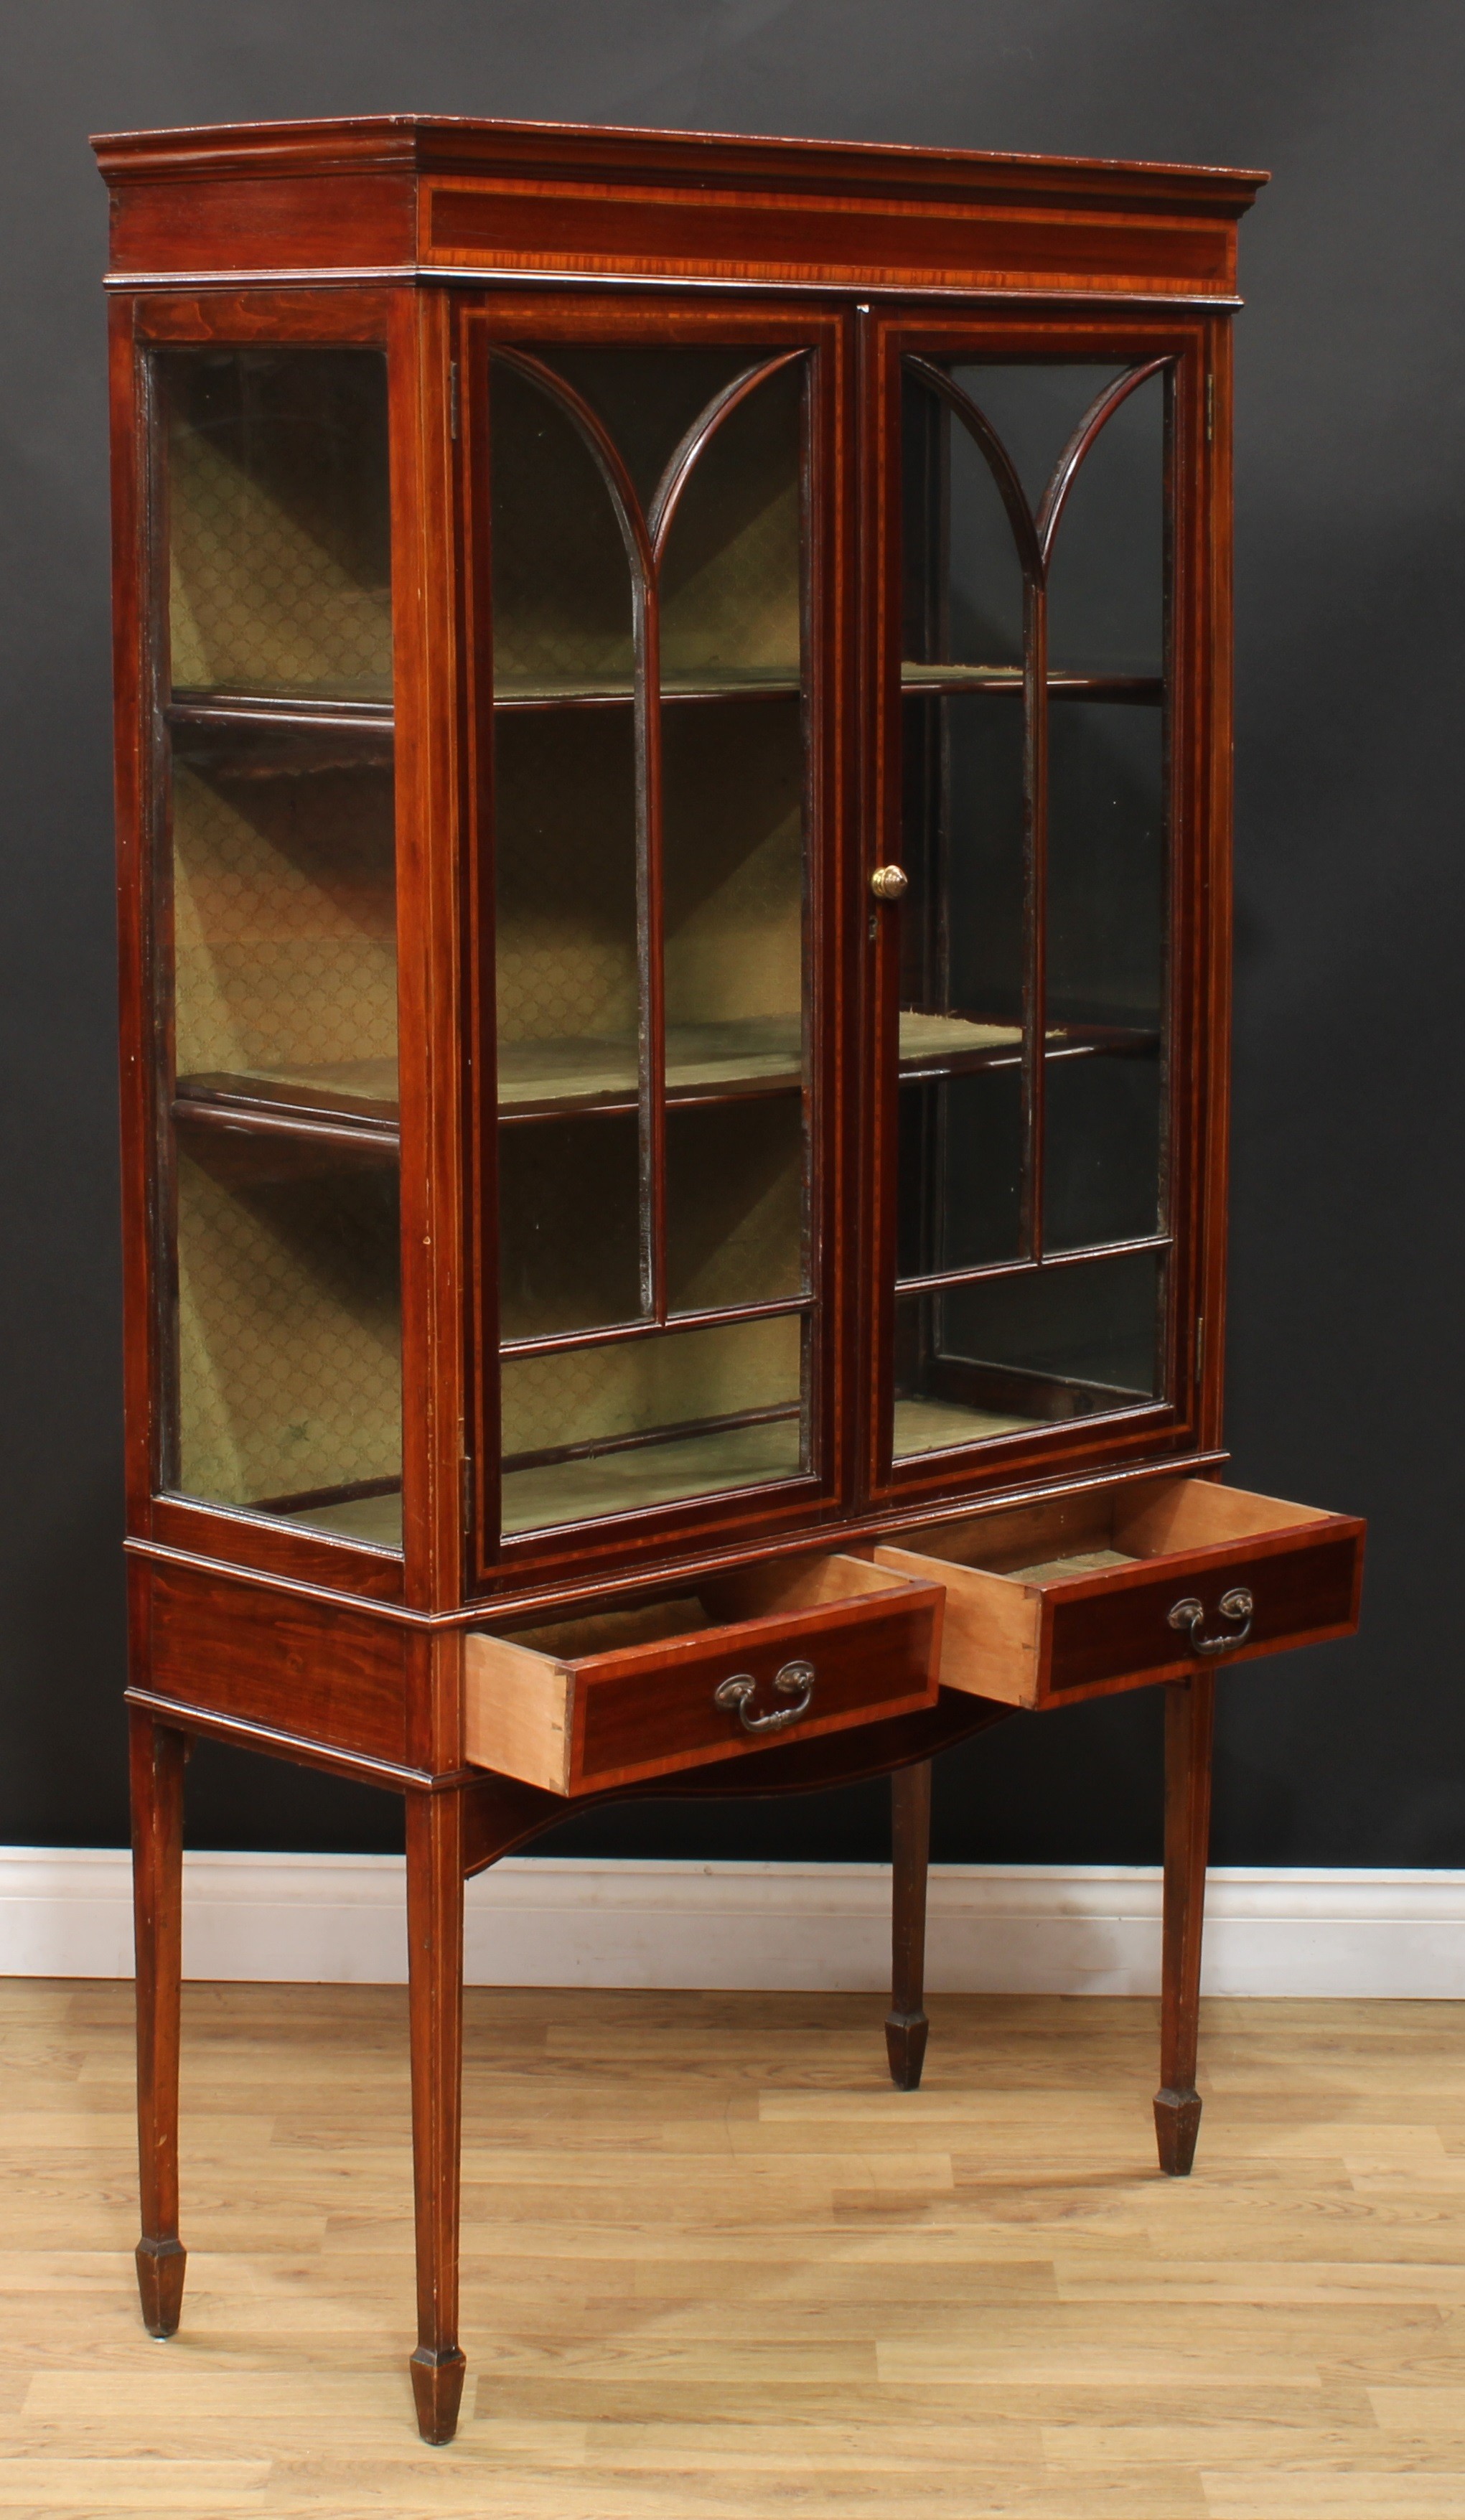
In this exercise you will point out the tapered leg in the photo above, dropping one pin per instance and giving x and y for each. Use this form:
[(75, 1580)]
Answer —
[(1189, 1723), (434, 1971), (157, 1754), (906, 2024)]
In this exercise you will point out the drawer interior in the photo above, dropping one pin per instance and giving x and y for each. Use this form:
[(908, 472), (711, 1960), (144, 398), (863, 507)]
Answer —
[(769, 1590), (1062, 1537)]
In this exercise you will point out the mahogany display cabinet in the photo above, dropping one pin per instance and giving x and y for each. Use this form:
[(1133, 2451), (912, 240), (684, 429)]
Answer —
[(672, 775)]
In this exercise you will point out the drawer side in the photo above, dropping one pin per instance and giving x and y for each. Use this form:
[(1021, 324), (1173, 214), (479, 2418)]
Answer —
[(991, 1630), (517, 1712)]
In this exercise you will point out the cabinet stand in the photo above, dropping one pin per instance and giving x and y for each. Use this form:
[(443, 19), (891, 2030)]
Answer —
[(453, 1832)]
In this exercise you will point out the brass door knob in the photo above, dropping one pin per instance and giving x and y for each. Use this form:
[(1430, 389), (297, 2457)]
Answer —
[(888, 883)]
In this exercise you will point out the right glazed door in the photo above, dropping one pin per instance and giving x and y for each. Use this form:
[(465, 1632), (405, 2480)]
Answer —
[(1039, 638)]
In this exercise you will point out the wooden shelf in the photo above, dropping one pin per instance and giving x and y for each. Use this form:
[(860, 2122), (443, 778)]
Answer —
[(255, 1128), (945, 1044), (358, 1090), (626, 1481), (933, 1046), (918, 681), (711, 1063), (307, 708), (594, 691), (376, 1520), (356, 1101), (258, 738)]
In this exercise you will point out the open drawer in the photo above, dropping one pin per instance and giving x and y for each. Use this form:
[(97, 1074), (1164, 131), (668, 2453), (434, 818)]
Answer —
[(790, 1647), (1145, 1581)]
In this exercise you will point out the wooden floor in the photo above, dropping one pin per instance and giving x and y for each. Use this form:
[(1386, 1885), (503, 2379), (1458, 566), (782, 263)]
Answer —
[(714, 2265)]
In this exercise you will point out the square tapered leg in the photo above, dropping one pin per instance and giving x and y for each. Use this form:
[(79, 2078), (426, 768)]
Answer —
[(434, 1971), (157, 1755), (905, 2025), (1189, 1723)]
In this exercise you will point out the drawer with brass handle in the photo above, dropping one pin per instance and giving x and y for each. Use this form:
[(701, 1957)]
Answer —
[(783, 1649), (1145, 1580)]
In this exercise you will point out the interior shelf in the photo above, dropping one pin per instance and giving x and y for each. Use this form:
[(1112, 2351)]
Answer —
[(706, 683), (375, 1518), (935, 1046), (627, 1480), (926, 681), (705, 1063), (711, 1063), (254, 736), (355, 1096)]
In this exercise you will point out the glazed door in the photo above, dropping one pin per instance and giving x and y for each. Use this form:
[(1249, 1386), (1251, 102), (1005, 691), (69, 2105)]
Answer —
[(1042, 630), (654, 515)]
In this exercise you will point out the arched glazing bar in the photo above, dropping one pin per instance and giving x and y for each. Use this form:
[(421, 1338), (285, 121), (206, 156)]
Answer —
[(680, 1290), (958, 1227), (1066, 470)]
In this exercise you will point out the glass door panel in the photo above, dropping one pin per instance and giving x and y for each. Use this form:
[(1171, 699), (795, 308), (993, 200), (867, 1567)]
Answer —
[(1106, 922), (568, 998), (1106, 578), (730, 582), (1032, 1057), (733, 877), (652, 871), (278, 937), (1002, 1355)]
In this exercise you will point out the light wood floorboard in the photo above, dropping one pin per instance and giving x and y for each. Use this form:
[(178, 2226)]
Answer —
[(716, 2268)]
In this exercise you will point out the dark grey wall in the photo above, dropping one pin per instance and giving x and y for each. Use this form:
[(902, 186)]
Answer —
[(1347, 1275)]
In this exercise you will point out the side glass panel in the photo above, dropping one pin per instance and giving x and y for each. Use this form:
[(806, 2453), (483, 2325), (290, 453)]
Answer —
[(1030, 1231), (277, 898), (279, 540), (651, 872)]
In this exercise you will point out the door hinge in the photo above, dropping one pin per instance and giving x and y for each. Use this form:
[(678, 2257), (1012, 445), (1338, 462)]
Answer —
[(1209, 410), (452, 398), (1200, 1348), (466, 1489)]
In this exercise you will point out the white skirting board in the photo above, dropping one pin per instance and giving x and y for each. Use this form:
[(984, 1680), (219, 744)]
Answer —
[(563, 1920)]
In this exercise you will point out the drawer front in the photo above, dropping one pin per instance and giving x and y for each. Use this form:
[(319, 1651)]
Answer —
[(1300, 1593), (650, 1712)]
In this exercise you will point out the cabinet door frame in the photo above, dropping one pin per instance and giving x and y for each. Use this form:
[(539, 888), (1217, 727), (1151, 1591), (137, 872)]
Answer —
[(611, 319), (1196, 992)]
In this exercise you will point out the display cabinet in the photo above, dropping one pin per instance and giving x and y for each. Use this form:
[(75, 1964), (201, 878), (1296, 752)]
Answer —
[(672, 784)]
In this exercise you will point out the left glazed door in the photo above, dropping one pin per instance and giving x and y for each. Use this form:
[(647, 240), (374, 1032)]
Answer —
[(655, 702), (275, 935)]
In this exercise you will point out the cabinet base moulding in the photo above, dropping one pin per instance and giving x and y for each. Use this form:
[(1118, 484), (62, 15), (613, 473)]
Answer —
[(564, 1921)]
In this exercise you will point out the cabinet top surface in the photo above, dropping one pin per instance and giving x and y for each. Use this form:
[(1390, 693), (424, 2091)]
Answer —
[(465, 143)]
